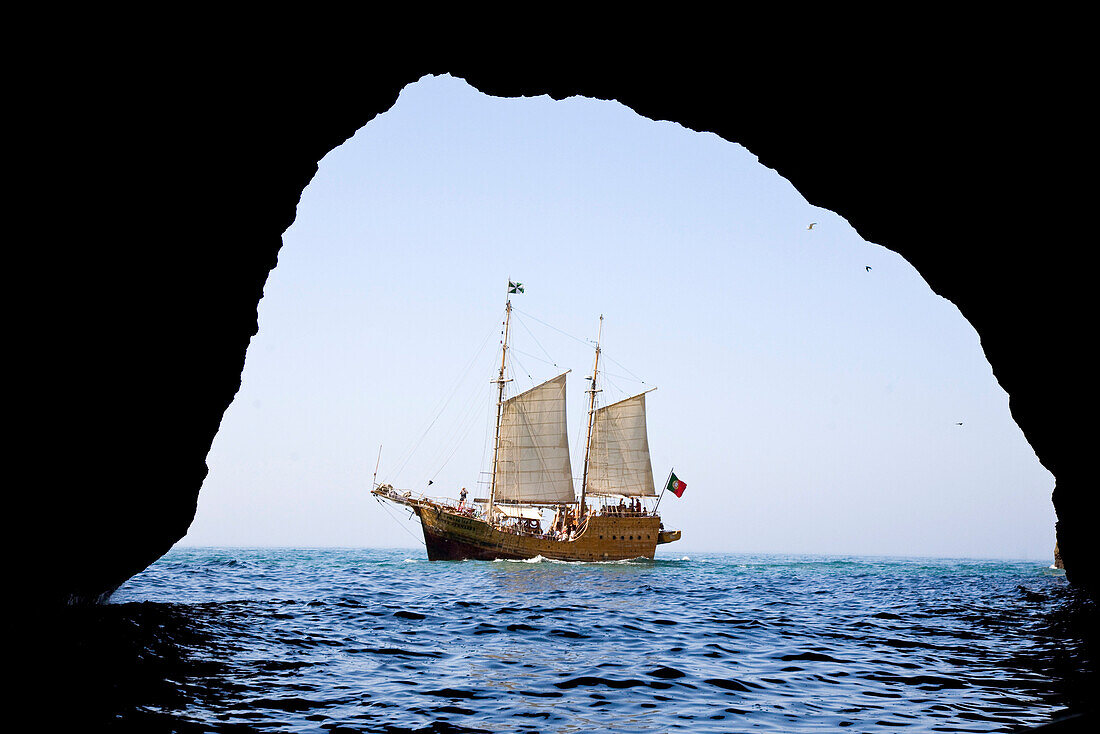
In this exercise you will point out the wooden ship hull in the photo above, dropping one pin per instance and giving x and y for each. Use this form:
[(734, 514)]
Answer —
[(451, 534), (453, 537)]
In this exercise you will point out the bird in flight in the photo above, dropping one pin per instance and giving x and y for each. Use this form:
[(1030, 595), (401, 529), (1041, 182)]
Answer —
[(868, 268), (958, 424), (811, 225)]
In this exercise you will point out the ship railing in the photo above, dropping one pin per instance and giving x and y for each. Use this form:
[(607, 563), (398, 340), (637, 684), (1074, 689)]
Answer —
[(449, 504), (410, 497), (615, 512)]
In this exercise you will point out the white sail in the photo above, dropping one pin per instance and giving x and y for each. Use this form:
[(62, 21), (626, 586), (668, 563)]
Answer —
[(532, 463), (618, 461)]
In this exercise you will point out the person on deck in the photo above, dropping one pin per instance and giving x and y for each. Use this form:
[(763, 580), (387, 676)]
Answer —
[(462, 499)]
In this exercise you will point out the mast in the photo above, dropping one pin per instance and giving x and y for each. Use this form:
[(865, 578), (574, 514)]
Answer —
[(500, 403), (591, 412)]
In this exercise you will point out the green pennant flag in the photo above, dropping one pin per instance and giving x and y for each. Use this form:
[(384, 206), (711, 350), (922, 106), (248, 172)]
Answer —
[(515, 287)]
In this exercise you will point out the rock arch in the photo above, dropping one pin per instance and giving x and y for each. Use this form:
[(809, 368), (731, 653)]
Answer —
[(165, 205)]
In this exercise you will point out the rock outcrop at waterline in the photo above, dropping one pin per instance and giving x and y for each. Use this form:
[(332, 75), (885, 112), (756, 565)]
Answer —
[(163, 206)]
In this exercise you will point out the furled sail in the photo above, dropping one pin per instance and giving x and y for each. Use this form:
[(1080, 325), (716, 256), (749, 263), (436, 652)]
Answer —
[(532, 463), (618, 461)]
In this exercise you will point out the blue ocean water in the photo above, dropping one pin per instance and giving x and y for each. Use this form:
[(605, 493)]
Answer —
[(362, 640)]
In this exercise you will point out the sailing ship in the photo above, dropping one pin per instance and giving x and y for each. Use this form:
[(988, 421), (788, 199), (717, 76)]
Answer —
[(532, 483)]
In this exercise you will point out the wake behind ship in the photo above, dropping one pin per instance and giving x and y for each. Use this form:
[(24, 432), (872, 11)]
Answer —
[(532, 508)]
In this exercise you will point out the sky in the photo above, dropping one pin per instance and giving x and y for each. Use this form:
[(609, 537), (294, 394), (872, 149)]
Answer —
[(810, 385)]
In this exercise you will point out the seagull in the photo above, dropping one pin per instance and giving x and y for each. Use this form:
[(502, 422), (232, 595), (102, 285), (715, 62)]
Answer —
[(868, 268), (811, 225), (958, 424)]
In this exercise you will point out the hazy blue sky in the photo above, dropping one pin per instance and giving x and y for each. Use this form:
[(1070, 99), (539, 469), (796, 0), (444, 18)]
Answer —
[(810, 404)]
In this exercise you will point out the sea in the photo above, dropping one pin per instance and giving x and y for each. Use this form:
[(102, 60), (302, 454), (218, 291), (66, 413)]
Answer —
[(339, 641)]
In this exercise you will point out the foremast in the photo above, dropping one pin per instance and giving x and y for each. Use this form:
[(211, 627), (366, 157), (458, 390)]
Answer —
[(591, 413), (500, 402)]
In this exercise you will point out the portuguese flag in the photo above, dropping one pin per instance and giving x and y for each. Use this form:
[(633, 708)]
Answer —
[(676, 486)]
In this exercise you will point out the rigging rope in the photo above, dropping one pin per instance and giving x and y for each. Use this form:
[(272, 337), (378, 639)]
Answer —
[(586, 342), (537, 342), (628, 371), (520, 364), (461, 431), (445, 402), (532, 356), (399, 523)]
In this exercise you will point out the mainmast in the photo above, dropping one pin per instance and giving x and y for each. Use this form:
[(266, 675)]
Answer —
[(591, 412), (500, 402)]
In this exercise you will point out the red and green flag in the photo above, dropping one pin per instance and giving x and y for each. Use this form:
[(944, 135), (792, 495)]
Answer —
[(676, 486)]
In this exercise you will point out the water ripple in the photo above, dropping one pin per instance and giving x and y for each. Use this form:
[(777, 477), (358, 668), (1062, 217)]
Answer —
[(217, 640)]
